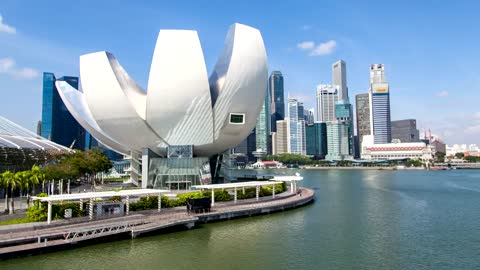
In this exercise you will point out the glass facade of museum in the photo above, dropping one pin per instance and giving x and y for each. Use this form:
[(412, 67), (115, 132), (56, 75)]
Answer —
[(178, 173)]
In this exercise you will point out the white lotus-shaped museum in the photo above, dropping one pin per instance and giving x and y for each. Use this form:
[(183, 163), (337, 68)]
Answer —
[(183, 106)]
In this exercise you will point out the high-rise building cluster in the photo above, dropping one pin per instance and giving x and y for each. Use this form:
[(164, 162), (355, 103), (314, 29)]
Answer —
[(284, 125), (329, 131)]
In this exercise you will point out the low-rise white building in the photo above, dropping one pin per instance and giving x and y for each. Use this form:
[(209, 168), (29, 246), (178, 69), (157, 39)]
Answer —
[(416, 150), (470, 150)]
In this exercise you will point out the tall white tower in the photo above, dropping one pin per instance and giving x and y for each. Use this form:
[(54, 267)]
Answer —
[(379, 95), (339, 78), (327, 96)]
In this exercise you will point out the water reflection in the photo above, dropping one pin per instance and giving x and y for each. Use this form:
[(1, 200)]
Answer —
[(362, 219)]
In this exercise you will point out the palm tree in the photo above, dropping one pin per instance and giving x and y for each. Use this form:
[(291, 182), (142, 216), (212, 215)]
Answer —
[(23, 182), (4, 187), (28, 181), (11, 182), (37, 176)]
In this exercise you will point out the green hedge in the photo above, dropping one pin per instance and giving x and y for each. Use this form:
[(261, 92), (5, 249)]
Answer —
[(151, 202), (38, 212)]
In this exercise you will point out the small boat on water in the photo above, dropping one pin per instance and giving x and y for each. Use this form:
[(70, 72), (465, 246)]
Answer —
[(436, 168)]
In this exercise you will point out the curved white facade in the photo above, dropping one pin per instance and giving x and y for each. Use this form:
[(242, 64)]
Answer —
[(182, 106)]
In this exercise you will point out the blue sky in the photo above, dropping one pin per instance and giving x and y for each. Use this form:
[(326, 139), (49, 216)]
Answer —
[(431, 49)]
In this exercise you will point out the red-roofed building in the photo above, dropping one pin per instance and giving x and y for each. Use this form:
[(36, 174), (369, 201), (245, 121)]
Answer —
[(417, 150)]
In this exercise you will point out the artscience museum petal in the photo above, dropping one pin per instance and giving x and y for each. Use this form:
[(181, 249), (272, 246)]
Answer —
[(184, 114)]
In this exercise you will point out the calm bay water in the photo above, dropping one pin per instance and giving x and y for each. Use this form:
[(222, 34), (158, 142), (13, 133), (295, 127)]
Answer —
[(362, 219)]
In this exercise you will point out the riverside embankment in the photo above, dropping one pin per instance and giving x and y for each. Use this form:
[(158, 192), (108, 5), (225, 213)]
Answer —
[(34, 238)]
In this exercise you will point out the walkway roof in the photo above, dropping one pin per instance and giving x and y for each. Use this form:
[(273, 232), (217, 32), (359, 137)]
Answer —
[(236, 185), (287, 178), (103, 194)]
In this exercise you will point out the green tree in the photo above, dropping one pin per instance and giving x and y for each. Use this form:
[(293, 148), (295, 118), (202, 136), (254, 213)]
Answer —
[(459, 155), (440, 157), (82, 163), (288, 158), (414, 163), (472, 159), (5, 188), (37, 177), (12, 183)]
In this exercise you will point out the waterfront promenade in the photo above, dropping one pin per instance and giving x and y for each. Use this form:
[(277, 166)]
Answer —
[(33, 238)]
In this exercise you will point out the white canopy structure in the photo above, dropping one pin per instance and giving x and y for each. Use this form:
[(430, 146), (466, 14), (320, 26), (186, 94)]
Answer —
[(256, 184), (95, 195), (292, 179)]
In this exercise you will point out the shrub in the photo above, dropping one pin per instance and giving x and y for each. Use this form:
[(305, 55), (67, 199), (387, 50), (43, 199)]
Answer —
[(220, 195), (38, 212), (115, 199)]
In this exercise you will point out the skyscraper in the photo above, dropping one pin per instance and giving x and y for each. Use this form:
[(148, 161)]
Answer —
[(263, 126), (280, 138), (39, 128), (277, 103), (405, 130), (337, 141), (339, 78), (344, 114), (309, 117), (296, 127), (327, 96), (316, 140), (247, 147), (363, 116), (58, 125), (380, 124), (301, 111)]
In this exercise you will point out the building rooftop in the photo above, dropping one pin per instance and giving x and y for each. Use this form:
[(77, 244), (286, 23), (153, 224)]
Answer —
[(21, 148)]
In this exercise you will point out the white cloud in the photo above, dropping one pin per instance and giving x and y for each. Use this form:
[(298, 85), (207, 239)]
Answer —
[(306, 45), (318, 50), (457, 128), (6, 28), (7, 66), (302, 98), (324, 48), (26, 73), (306, 27), (473, 130), (442, 94)]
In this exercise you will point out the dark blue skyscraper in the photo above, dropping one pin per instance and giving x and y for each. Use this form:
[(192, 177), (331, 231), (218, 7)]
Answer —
[(275, 87), (316, 140), (58, 125)]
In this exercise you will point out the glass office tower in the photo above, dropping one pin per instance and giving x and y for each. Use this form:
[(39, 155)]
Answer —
[(344, 113), (263, 127), (296, 127), (58, 125), (277, 103), (380, 123), (363, 116), (316, 140)]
